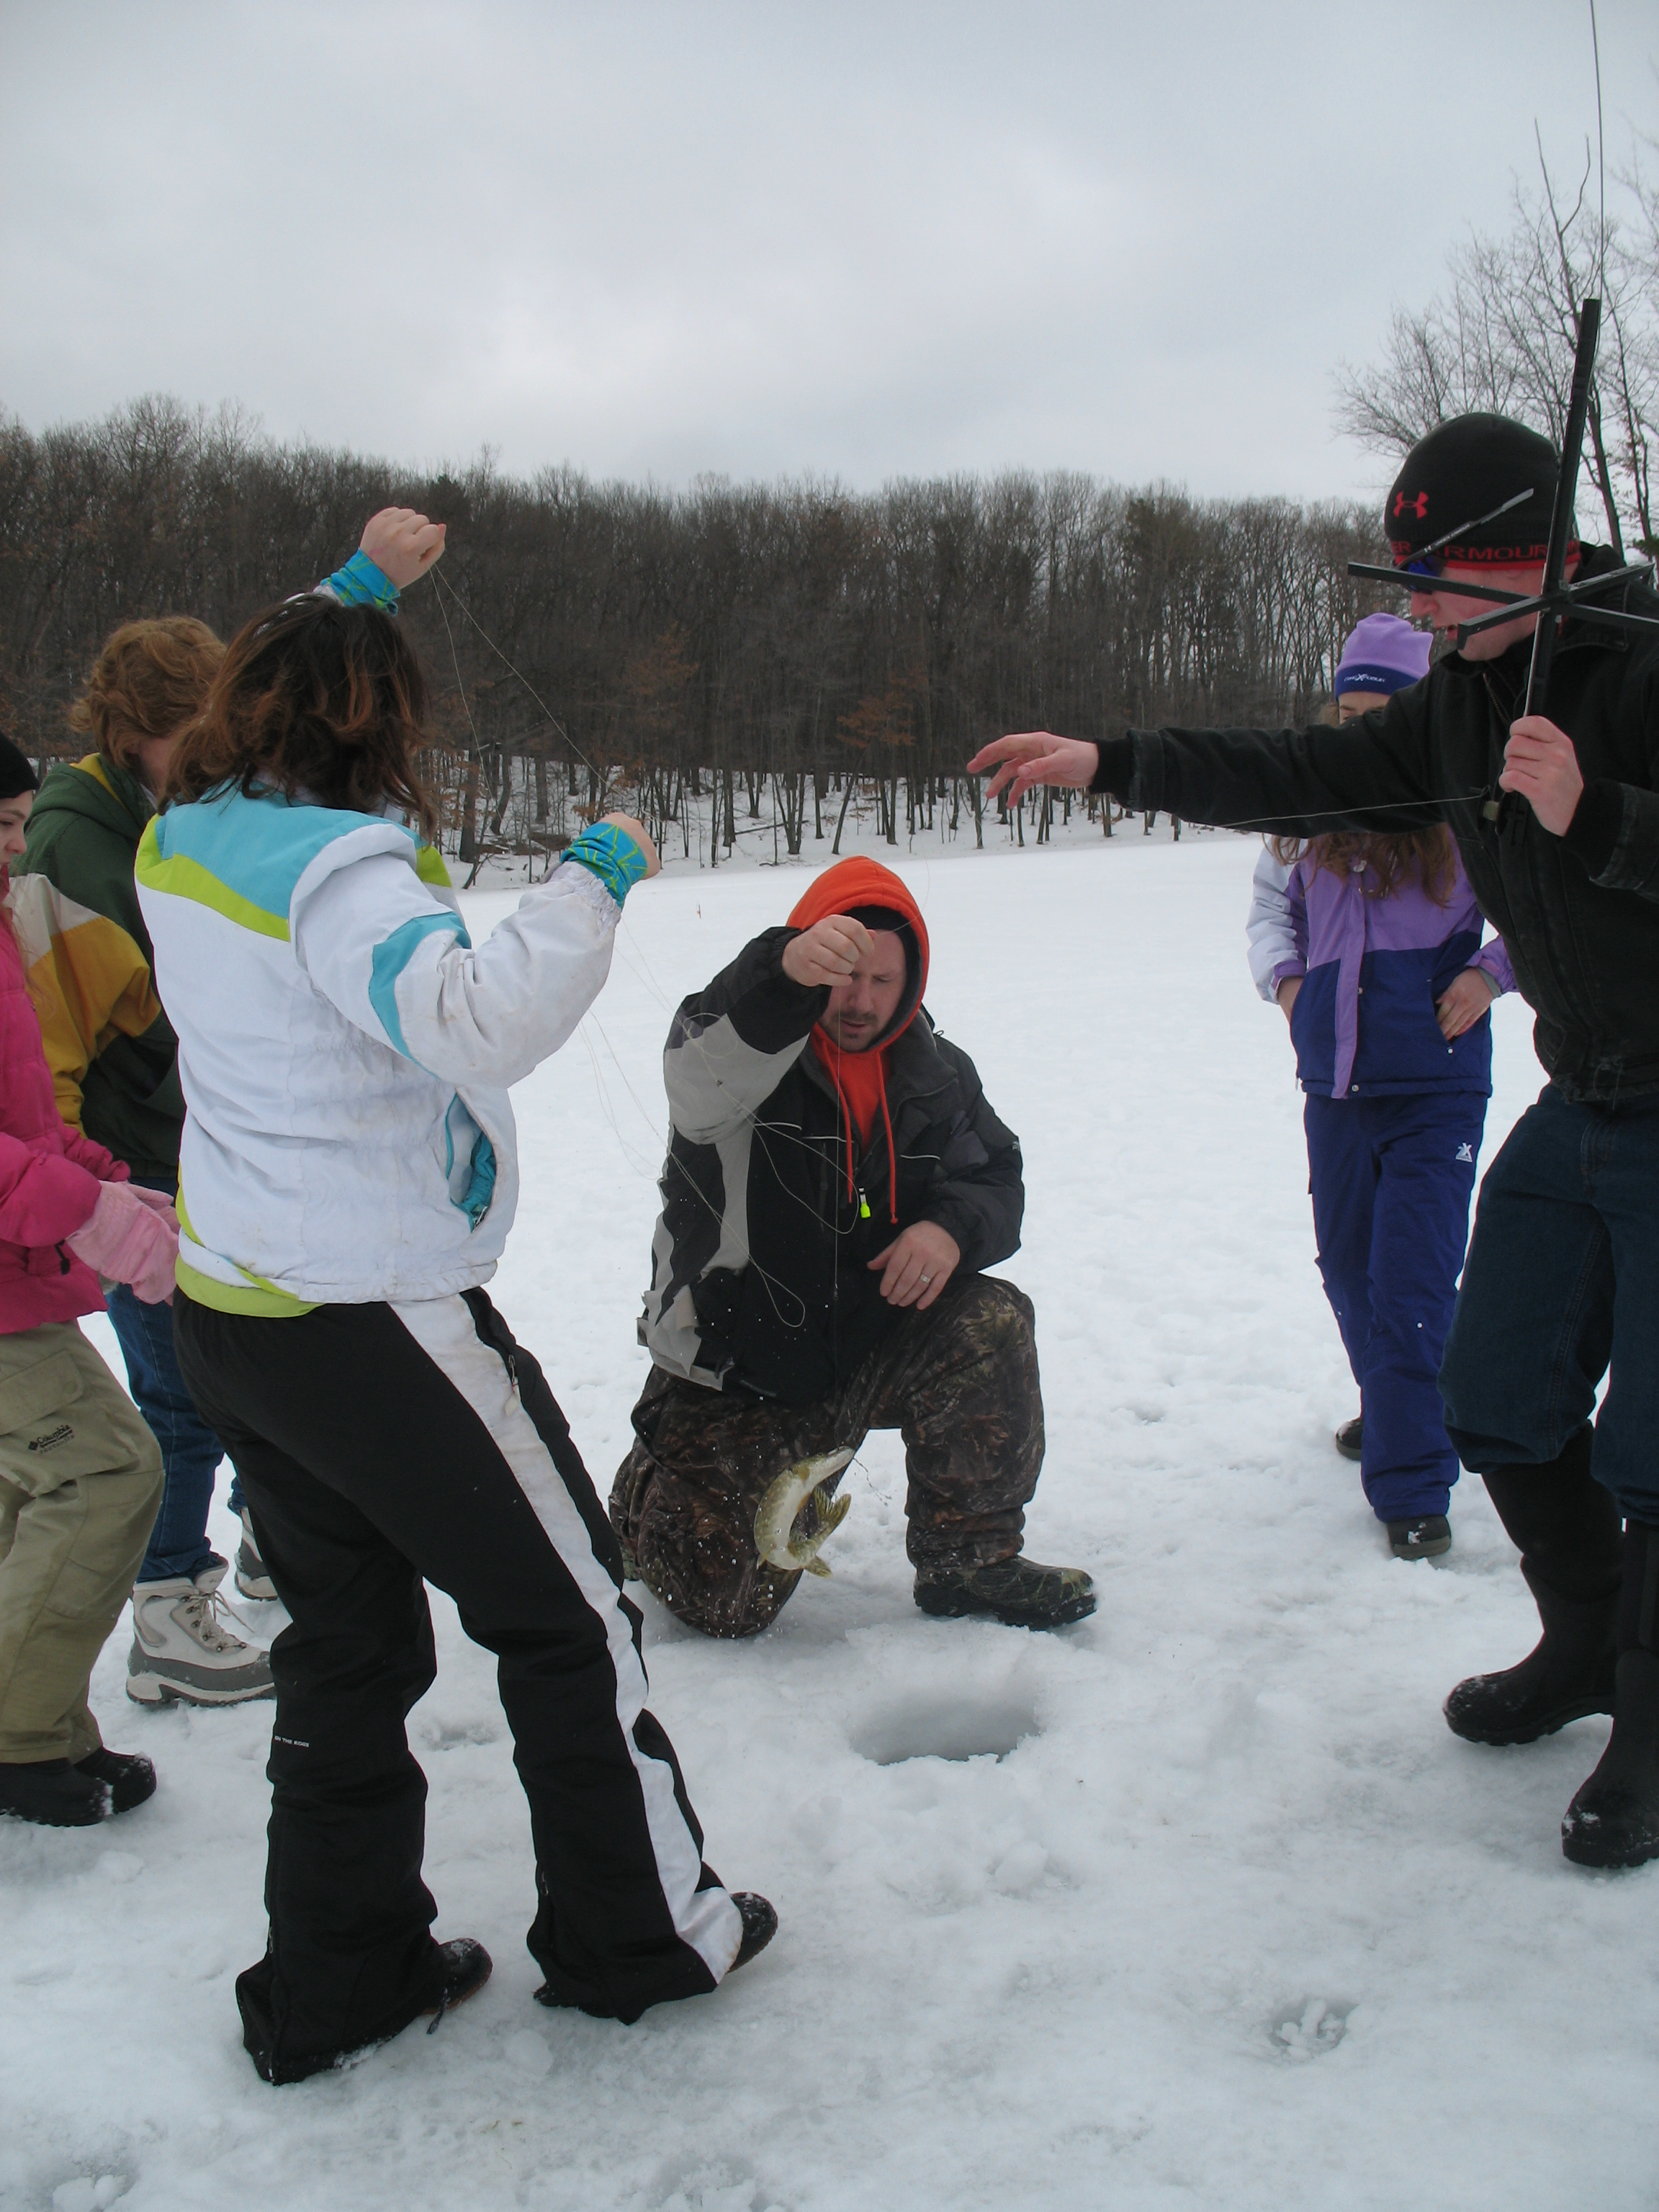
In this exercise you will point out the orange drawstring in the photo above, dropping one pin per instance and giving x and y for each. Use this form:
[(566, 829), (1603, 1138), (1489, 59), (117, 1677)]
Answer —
[(845, 1104)]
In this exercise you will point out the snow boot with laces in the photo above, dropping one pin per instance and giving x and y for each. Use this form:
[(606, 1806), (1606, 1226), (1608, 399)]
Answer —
[(1614, 1821), (182, 1650), (253, 1576), (1021, 1593), (1572, 1556)]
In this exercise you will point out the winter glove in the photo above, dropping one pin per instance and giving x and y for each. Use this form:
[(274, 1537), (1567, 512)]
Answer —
[(158, 1203), (126, 1242), (611, 854)]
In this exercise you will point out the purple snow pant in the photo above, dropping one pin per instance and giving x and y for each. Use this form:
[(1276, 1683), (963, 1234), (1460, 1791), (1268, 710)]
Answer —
[(1391, 1180)]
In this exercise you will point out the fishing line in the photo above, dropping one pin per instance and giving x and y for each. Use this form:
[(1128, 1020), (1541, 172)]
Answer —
[(438, 578), (1601, 156), (478, 743)]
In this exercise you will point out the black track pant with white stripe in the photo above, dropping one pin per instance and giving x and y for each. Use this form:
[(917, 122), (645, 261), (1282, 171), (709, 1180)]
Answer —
[(380, 1445)]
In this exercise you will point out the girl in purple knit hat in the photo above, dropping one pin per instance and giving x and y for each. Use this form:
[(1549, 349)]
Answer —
[(1370, 945)]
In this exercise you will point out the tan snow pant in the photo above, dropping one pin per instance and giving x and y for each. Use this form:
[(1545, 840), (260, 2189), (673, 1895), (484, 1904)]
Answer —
[(80, 1487)]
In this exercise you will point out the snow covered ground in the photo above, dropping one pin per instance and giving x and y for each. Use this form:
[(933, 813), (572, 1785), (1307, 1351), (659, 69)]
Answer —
[(1196, 1904)]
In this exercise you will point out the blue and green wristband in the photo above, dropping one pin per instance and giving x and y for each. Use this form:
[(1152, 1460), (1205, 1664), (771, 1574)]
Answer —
[(611, 854)]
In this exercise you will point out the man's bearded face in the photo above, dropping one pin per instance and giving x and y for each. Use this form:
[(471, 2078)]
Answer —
[(861, 1008)]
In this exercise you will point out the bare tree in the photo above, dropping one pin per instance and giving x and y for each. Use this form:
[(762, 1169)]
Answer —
[(1500, 338)]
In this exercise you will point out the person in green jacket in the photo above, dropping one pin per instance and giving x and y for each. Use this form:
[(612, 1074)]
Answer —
[(145, 688)]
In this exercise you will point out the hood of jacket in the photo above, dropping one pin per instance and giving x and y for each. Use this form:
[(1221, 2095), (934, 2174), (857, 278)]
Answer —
[(95, 790)]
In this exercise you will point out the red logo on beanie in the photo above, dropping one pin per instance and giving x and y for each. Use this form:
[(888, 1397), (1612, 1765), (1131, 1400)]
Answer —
[(1418, 506)]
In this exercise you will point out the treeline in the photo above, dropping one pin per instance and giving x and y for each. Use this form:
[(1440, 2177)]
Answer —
[(594, 644)]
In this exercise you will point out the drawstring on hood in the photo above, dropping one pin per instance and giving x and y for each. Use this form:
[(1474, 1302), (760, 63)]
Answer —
[(869, 893)]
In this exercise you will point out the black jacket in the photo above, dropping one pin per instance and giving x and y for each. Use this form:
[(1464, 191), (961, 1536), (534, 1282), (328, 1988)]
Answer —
[(760, 1278), (1579, 915)]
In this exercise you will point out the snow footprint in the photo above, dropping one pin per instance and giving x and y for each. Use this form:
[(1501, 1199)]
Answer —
[(1308, 2027)]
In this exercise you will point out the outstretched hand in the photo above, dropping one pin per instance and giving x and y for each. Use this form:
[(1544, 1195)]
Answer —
[(826, 954), (1541, 763), (1036, 757), (402, 544), (917, 1265)]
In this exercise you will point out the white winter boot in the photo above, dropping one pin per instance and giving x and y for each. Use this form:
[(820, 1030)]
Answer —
[(252, 1577), (182, 1650)]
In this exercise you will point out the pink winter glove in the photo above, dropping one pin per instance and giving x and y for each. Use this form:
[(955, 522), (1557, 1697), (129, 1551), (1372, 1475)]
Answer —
[(158, 1203), (126, 1242)]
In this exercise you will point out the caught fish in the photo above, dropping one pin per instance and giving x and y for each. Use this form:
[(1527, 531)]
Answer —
[(778, 1511)]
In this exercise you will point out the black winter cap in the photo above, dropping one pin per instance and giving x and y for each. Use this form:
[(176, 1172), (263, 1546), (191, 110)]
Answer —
[(16, 775), (1457, 475)]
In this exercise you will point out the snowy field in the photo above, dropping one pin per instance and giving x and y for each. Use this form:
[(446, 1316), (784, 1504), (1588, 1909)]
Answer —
[(1196, 1904)]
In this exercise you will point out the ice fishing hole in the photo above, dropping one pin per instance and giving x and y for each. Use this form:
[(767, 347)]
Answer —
[(946, 1727)]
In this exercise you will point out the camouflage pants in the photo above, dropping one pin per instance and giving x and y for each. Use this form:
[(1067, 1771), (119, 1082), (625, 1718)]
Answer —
[(959, 1381)]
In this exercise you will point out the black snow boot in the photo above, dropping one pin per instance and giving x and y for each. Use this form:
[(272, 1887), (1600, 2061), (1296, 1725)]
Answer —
[(1022, 1593), (1424, 1538), (54, 1795), (760, 1925), (1350, 1438), (456, 1971), (1614, 1821), (130, 1777), (1572, 1555)]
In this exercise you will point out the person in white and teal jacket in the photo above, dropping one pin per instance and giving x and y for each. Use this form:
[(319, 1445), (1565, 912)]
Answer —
[(348, 1177)]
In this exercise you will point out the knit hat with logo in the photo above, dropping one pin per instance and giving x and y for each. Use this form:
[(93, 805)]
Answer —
[(1455, 477), (1383, 654)]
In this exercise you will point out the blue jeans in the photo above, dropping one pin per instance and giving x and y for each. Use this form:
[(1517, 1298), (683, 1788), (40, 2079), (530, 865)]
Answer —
[(191, 1452), (1390, 1179), (1562, 1284)]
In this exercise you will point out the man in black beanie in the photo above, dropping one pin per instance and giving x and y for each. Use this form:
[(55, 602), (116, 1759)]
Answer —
[(1561, 1283)]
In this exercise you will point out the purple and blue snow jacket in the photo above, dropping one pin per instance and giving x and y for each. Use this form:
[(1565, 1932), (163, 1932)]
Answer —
[(1364, 1023)]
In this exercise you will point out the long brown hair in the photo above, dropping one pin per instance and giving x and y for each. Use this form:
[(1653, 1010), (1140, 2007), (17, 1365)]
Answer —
[(150, 680), (1428, 857), (325, 702)]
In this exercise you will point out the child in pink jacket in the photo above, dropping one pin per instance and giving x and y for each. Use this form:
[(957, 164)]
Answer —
[(80, 1474)]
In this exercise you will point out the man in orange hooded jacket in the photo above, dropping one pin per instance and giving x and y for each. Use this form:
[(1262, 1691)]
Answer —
[(835, 1183)]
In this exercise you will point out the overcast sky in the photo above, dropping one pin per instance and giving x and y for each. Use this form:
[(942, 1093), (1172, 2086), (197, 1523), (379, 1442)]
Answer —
[(847, 239)]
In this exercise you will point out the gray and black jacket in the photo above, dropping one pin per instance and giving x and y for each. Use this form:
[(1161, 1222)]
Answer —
[(1579, 915), (759, 1278)]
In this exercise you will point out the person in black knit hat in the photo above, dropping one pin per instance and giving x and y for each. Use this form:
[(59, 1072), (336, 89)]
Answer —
[(1561, 1285)]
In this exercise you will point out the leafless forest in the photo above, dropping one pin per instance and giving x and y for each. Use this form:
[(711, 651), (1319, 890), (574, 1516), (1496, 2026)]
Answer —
[(727, 655)]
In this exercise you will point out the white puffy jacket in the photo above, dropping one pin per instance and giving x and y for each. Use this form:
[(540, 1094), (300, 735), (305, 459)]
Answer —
[(345, 1050)]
